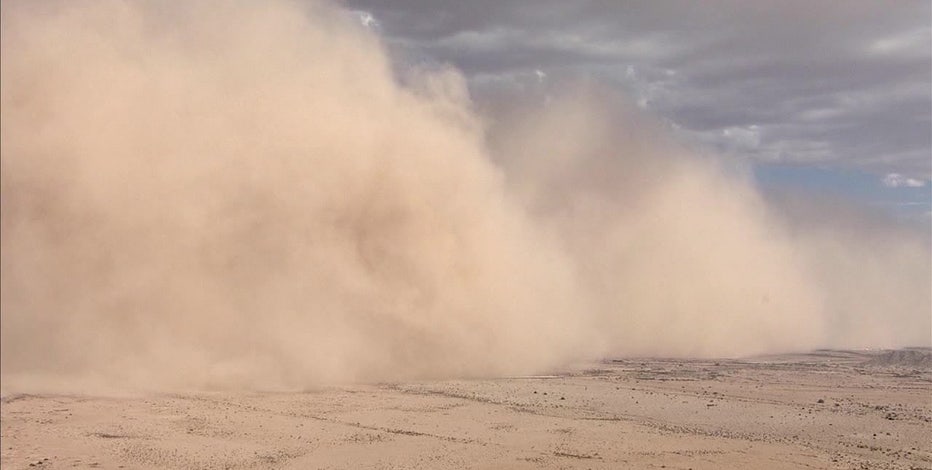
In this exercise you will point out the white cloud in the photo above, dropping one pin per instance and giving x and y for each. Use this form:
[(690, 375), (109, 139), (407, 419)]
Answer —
[(896, 180), (367, 19), (743, 137), (913, 43), (651, 87)]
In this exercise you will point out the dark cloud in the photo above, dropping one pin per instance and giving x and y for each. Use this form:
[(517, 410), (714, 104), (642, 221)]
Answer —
[(842, 84)]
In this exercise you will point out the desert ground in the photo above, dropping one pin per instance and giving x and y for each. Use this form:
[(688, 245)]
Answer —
[(827, 409)]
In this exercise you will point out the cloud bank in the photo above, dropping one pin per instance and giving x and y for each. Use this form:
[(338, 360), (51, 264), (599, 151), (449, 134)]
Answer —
[(229, 195), (841, 86)]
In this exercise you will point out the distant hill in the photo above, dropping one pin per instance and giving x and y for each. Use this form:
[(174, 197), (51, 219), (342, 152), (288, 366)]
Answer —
[(912, 357)]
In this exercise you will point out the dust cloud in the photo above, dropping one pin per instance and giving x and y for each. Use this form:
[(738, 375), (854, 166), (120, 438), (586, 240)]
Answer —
[(213, 194)]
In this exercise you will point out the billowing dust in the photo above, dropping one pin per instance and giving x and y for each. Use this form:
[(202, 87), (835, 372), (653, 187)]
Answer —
[(245, 195)]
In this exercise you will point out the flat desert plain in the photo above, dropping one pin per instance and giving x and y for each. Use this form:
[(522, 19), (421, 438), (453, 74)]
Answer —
[(827, 409)]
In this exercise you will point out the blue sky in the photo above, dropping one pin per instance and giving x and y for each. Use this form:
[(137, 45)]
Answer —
[(822, 96), (910, 204)]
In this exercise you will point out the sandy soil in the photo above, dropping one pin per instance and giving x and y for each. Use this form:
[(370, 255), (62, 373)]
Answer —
[(828, 409)]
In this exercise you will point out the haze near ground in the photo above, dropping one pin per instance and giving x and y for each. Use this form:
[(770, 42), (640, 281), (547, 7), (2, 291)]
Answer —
[(829, 409)]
